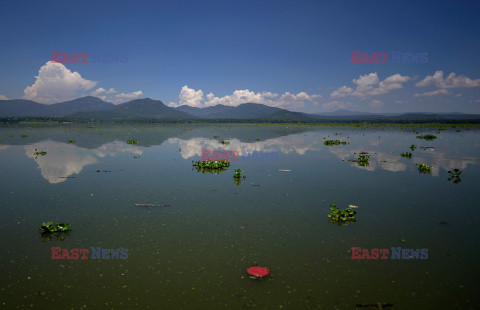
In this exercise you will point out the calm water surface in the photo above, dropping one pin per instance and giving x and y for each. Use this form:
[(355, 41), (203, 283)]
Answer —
[(194, 253)]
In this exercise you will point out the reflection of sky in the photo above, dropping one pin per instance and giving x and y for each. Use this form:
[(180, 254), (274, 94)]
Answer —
[(63, 160), (440, 160), (293, 143), (301, 144), (384, 160)]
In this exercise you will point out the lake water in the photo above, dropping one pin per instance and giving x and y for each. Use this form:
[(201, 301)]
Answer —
[(194, 253)]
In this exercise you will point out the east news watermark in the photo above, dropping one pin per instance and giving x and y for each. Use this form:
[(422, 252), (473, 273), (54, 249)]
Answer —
[(92, 253), (392, 253), (396, 57), (62, 57)]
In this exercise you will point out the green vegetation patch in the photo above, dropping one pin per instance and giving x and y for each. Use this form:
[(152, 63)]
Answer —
[(455, 175), (424, 168), (210, 166), (334, 142), (341, 217), (49, 227), (427, 137)]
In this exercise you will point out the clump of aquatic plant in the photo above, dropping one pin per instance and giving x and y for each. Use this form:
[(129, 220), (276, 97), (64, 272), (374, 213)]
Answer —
[(24, 136), (455, 175), (238, 177), (334, 142), (362, 160), (341, 217), (210, 166), (413, 147), (49, 227), (238, 174), (427, 137), (224, 142), (37, 152), (71, 141), (424, 168), (132, 142), (406, 154), (215, 137)]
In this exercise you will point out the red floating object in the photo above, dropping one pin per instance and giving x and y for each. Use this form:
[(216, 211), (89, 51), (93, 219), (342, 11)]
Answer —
[(258, 271)]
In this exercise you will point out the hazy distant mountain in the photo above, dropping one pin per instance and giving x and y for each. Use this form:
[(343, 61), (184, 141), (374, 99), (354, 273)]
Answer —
[(137, 109), (204, 112), (343, 112), (84, 104), (21, 107), (94, 108), (247, 111)]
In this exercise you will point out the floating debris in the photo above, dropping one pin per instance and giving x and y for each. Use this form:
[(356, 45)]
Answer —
[(353, 206), (284, 170), (150, 205), (258, 272), (375, 306)]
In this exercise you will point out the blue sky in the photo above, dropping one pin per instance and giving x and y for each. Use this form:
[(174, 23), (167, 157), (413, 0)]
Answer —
[(291, 54)]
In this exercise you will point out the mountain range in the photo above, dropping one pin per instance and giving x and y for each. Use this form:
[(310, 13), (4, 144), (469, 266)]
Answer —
[(93, 108)]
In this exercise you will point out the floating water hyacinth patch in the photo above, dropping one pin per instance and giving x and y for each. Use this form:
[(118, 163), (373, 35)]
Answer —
[(424, 168), (132, 142), (427, 137), (413, 147), (334, 142), (362, 160), (209, 166), (406, 154), (455, 175), (41, 153), (71, 141), (341, 217), (49, 227), (238, 177), (224, 142)]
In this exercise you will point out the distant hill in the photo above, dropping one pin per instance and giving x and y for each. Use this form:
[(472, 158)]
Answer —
[(205, 112), (343, 112), (84, 104), (137, 109), (21, 107), (93, 108)]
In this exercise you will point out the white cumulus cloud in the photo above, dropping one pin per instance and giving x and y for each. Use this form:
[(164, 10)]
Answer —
[(433, 93), (451, 81), (55, 83), (369, 85), (196, 98)]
